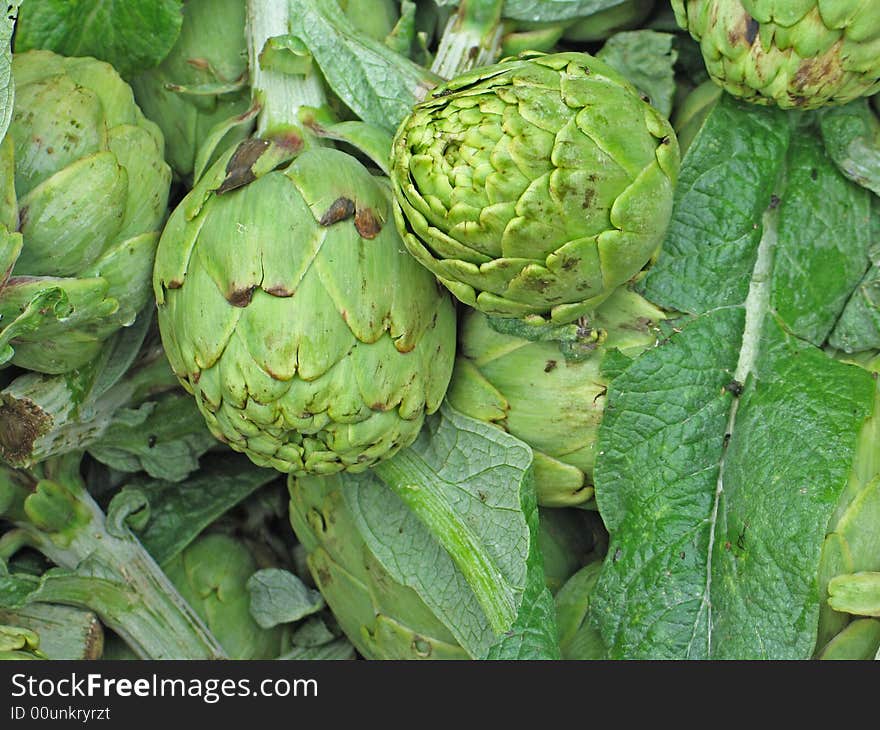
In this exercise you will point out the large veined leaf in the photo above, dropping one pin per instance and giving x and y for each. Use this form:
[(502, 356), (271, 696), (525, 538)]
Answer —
[(725, 449), (7, 24)]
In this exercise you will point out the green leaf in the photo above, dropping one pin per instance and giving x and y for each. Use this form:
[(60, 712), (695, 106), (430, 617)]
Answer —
[(549, 10), (724, 451), (338, 649), (858, 329), (7, 87), (852, 137), (740, 148), (279, 597), (132, 35), (647, 59), (164, 438), (378, 85), (481, 555), (179, 511)]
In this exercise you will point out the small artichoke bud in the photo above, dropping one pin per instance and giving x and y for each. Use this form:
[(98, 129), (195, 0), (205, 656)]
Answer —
[(535, 187)]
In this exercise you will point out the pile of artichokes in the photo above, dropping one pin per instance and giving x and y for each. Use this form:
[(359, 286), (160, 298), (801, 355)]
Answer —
[(320, 275)]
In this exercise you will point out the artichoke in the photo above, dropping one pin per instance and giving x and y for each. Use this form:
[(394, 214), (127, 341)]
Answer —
[(84, 193), (551, 401), (312, 342), (802, 54), (534, 187), (211, 574), (201, 83), (381, 617)]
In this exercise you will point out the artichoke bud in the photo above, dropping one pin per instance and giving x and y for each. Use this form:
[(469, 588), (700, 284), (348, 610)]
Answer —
[(211, 574), (288, 306), (201, 83), (381, 617), (552, 403), (535, 187), (795, 55), (85, 190)]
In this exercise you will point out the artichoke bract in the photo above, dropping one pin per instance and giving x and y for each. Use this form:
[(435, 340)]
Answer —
[(201, 83), (84, 194), (534, 187), (551, 402), (381, 617), (803, 54), (312, 341)]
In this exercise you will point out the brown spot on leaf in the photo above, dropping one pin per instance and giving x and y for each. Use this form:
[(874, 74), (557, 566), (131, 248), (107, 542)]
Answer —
[(241, 297), (174, 284), (589, 196), (340, 210), (367, 223), (239, 169), (289, 140), (550, 366), (278, 291)]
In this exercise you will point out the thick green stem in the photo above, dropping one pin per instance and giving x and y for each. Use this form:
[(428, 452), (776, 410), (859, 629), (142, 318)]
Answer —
[(411, 481), (118, 580), (46, 415), (280, 94), (472, 38)]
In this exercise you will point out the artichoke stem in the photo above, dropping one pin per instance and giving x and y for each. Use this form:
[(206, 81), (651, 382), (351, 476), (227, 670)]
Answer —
[(279, 94), (472, 38), (112, 574)]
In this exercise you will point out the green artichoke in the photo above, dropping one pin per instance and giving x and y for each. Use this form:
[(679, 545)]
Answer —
[(312, 342), (806, 53), (381, 617), (534, 187), (211, 574), (598, 26), (84, 194), (201, 83), (552, 402)]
